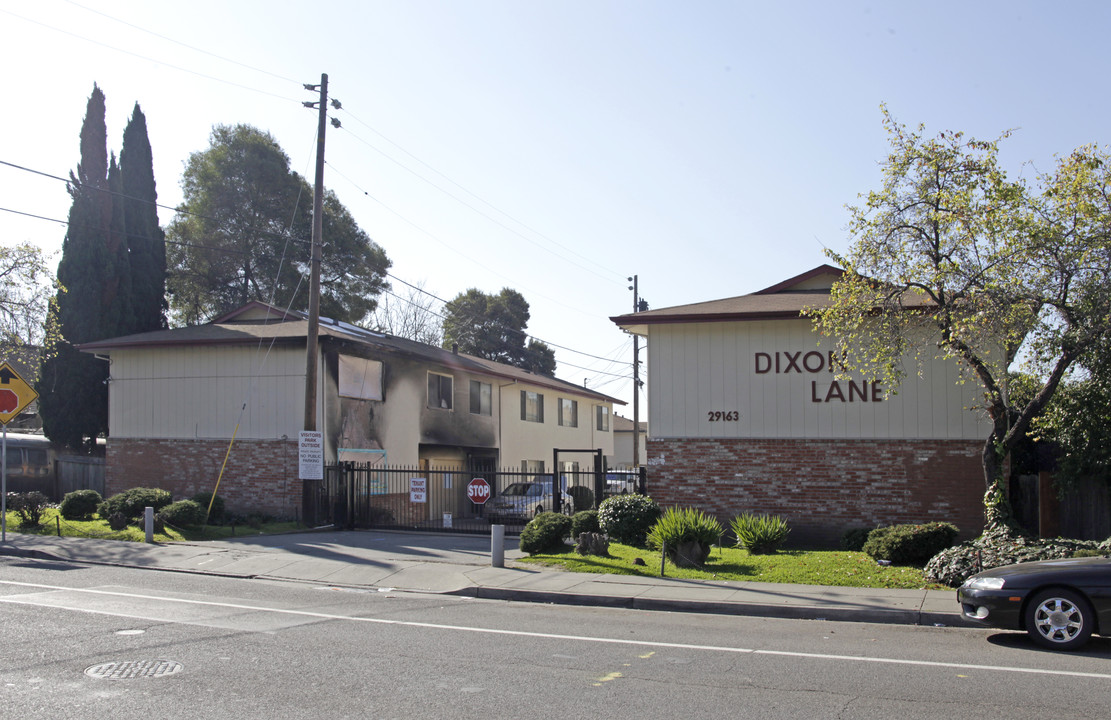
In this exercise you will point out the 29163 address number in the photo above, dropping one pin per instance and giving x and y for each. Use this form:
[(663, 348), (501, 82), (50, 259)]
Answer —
[(723, 416)]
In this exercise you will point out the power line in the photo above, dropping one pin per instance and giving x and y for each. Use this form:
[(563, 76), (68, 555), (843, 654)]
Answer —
[(523, 334), (184, 45), (179, 210), (149, 59), (470, 206)]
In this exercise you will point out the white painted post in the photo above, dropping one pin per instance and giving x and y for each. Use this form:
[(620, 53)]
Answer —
[(148, 523), (497, 546)]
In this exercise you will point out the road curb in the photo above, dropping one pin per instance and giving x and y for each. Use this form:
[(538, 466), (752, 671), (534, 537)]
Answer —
[(785, 612)]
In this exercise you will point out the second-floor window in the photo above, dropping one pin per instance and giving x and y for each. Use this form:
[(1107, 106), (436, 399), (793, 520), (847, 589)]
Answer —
[(481, 395), (568, 412), (602, 414), (532, 406), (439, 391)]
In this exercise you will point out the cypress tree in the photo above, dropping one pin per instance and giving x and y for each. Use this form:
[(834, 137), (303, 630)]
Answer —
[(146, 241), (72, 386), (116, 292)]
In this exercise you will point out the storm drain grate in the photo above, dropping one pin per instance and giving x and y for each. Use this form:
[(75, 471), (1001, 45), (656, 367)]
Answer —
[(133, 669)]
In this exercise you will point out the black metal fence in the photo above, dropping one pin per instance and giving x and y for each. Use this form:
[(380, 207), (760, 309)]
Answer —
[(453, 499)]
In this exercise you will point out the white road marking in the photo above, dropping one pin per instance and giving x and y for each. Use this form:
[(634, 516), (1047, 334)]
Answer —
[(310, 615)]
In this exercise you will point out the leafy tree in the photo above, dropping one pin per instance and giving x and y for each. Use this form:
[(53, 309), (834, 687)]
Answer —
[(413, 316), (951, 258), (493, 327), (243, 233), (1077, 423), (25, 295), (146, 242)]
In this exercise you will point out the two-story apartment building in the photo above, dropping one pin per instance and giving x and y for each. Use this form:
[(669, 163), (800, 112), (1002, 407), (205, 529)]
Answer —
[(747, 413), (226, 399)]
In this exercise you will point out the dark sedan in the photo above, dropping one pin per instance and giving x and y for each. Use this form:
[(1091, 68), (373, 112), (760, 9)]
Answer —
[(1059, 603)]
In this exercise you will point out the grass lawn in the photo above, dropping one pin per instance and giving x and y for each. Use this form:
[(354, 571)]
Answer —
[(807, 567), (53, 524)]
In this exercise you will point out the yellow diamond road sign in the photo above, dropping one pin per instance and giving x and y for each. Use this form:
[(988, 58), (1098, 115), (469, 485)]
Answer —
[(15, 394)]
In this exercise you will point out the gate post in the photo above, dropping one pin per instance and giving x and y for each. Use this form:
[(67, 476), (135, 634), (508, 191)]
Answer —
[(599, 478)]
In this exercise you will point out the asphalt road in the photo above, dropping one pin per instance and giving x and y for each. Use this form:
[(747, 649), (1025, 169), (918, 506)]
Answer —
[(212, 647)]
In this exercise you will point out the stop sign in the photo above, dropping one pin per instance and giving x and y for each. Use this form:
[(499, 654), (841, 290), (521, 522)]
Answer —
[(478, 491)]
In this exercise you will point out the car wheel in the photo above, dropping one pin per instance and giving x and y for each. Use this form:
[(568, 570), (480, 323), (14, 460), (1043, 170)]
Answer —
[(539, 509), (1059, 619)]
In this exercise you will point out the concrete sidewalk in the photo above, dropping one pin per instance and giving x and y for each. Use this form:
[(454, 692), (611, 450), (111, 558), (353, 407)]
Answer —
[(460, 565)]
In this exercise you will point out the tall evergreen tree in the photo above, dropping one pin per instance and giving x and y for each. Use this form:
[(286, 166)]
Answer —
[(118, 304), (72, 386), (146, 241)]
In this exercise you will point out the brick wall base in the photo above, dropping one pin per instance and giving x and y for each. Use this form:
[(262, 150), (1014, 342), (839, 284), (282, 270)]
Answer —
[(261, 475), (823, 487)]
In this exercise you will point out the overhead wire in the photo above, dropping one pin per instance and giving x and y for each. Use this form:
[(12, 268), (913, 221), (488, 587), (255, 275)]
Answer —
[(161, 63), (287, 237), (470, 206)]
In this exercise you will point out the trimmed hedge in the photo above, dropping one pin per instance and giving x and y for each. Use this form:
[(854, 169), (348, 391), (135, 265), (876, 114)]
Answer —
[(910, 544), (585, 521), (628, 518), (80, 504), (218, 506), (183, 513), (131, 503), (545, 533)]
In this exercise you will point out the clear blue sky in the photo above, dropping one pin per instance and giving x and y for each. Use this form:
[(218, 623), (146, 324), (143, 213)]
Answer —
[(559, 147)]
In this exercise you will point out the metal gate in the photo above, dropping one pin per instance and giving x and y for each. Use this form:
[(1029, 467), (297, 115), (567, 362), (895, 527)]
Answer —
[(354, 495)]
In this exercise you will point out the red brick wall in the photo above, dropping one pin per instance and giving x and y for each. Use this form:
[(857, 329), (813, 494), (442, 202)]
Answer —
[(823, 487), (261, 475)]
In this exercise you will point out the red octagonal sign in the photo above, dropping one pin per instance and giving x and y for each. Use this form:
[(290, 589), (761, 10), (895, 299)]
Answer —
[(478, 491)]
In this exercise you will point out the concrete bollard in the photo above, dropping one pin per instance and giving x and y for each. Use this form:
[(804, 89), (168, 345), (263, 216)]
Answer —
[(497, 546), (148, 523)]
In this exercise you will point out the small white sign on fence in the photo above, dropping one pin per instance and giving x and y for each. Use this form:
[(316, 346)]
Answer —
[(418, 490)]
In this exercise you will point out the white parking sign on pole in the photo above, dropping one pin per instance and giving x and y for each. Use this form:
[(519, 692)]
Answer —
[(310, 455)]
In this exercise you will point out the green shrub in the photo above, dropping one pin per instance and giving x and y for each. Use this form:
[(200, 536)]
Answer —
[(628, 518), (131, 503), (183, 513), (118, 521), (910, 544), (583, 497), (545, 533), (682, 525), (80, 504), (585, 521), (760, 534), (853, 539), (29, 506), (216, 515)]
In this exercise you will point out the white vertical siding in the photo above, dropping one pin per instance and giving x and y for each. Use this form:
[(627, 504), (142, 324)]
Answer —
[(206, 388), (699, 368)]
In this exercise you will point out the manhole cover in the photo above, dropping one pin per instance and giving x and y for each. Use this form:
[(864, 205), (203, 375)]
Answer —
[(133, 669)]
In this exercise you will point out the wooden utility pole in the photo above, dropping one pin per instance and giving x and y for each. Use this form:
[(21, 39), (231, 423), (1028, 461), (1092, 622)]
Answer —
[(636, 380), (313, 340)]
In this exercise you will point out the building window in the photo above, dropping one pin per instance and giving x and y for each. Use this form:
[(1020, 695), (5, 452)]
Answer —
[(532, 467), (532, 406), (603, 416), (481, 394), (439, 391), (568, 412)]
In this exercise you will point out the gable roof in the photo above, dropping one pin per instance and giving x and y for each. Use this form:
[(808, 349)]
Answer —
[(265, 325), (785, 299)]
